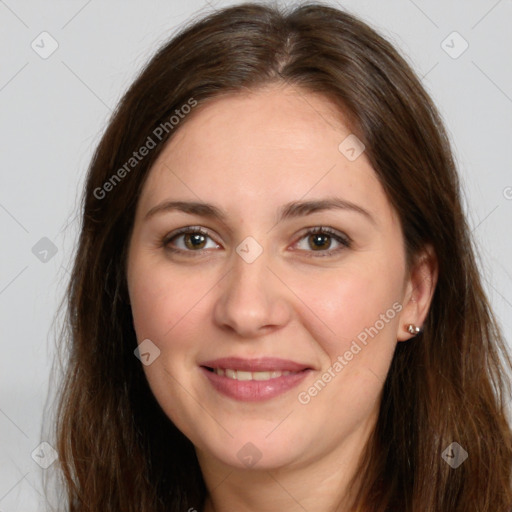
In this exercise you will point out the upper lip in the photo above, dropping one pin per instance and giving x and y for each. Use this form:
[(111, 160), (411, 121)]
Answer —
[(262, 364)]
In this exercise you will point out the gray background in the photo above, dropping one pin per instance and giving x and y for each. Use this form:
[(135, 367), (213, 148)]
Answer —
[(53, 111)]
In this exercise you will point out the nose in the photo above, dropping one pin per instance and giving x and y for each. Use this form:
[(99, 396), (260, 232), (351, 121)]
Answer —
[(253, 300)]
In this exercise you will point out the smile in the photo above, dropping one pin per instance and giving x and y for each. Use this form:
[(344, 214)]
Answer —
[(252, 380)]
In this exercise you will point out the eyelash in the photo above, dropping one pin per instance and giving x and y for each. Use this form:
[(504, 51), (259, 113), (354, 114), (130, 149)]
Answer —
[(344, 240)]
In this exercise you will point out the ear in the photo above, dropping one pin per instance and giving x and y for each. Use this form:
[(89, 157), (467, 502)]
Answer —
[(419, 289)]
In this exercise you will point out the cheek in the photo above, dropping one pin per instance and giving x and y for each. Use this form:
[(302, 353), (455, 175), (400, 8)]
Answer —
[(155, 299), (167, 303), (358, 302), (151, 305), (165, 306), (361, 308)]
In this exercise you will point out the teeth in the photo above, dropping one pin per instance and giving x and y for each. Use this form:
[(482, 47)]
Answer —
[(243, 375), (261, 375)]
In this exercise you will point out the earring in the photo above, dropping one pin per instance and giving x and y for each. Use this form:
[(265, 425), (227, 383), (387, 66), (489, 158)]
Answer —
[(413, 329)]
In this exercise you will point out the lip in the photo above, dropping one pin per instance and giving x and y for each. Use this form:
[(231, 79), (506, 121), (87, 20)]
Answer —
[(255, 390)]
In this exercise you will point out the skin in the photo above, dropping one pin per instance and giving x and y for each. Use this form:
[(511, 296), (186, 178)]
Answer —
[(249, 154)]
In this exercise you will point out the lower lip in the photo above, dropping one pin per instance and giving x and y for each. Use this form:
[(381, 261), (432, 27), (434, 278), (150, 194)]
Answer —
[(254, 390)]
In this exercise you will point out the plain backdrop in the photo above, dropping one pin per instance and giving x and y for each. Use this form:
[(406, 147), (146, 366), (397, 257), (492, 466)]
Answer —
[(54, 108)]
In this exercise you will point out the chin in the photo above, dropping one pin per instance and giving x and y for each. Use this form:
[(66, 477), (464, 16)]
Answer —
[(256, 451)]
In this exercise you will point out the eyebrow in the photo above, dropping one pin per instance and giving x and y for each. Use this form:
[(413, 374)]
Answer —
[(290, 210)]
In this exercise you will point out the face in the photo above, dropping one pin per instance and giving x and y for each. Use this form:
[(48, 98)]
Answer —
[(274, 306)]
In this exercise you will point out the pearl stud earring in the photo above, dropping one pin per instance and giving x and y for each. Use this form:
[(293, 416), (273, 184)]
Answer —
[(413, 329)]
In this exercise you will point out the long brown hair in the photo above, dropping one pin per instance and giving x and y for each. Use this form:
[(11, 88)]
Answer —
[(117, 449)]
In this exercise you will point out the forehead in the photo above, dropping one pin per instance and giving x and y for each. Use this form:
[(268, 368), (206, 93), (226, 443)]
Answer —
[(269, 146)]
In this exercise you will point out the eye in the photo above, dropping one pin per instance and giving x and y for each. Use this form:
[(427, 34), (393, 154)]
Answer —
[(189, 239), (320, 240)]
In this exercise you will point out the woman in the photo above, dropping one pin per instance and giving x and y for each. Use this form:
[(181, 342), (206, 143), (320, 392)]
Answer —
[(275, 302)]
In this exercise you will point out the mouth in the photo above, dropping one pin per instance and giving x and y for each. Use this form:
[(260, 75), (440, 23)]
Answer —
[(244, 376), (253, 379)]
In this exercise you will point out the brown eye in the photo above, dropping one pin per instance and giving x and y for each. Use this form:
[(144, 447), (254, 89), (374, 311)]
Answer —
[(194, 240), (320, 240), (189, 240)]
